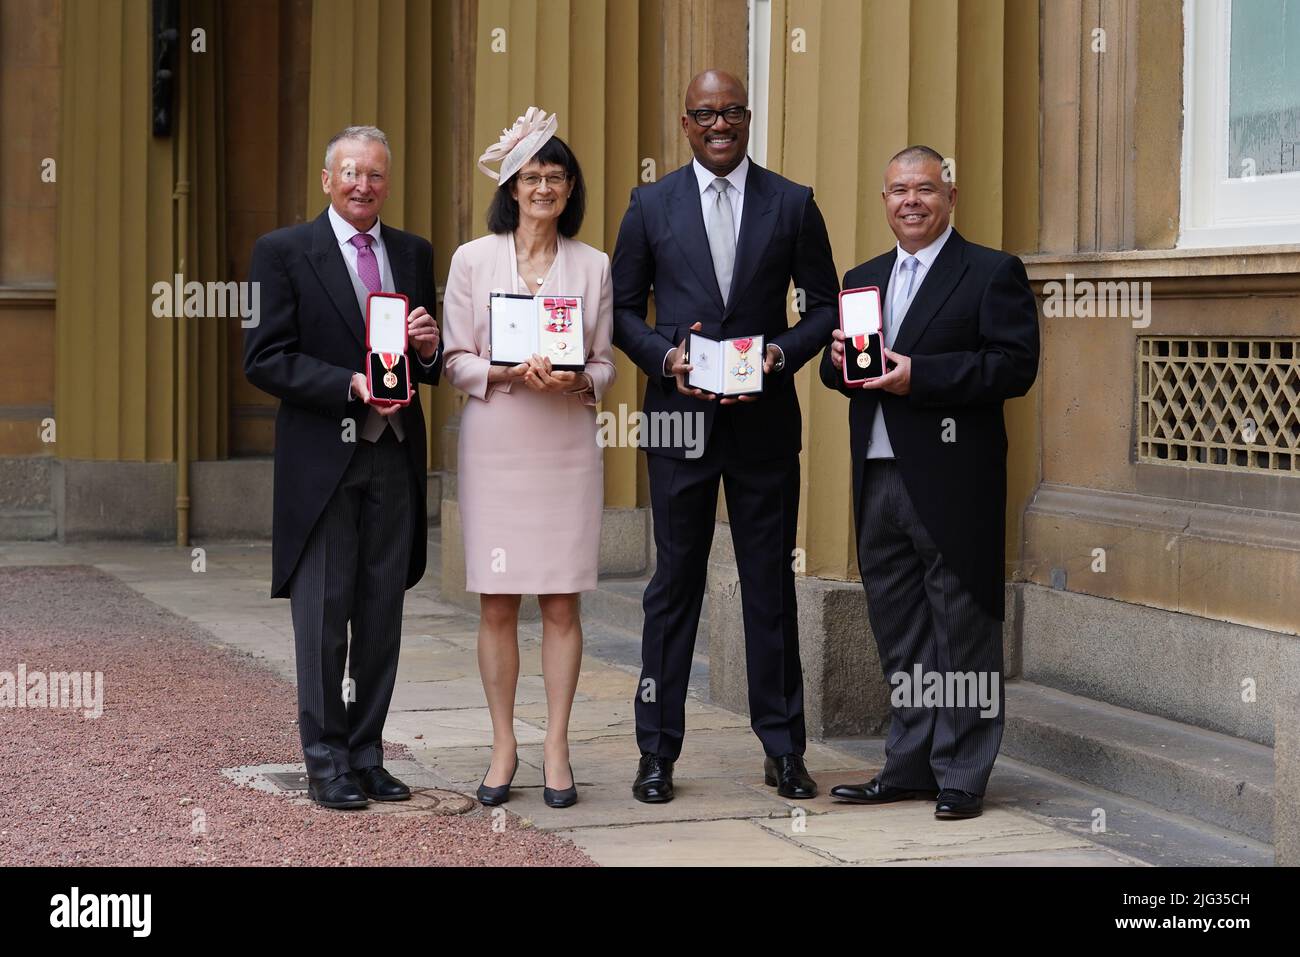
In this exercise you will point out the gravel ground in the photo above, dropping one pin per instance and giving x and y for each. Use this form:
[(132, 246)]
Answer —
[(122, 788)]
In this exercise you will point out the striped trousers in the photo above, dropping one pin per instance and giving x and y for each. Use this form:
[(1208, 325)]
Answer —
[(352, 570), (922, 615)]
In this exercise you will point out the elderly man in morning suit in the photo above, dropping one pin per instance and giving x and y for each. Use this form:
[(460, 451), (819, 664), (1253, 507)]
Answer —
[(349, 532)]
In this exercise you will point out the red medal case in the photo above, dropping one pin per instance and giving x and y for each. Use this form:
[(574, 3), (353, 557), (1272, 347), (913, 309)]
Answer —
[(386, 339), (863, 306)]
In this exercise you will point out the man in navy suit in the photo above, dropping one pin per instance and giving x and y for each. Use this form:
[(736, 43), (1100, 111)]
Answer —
[(348, 527), (719, 241), (929, 453)]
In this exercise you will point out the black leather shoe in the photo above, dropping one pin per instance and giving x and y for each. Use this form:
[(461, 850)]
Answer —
[(873, 792), (654, 780), (339, 792), (954, 804), (492, 796), (789, 776), (379, 785), (560, 797)]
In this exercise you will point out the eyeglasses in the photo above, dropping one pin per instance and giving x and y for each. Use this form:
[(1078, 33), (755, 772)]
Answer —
[(553, 180), (734, 115)]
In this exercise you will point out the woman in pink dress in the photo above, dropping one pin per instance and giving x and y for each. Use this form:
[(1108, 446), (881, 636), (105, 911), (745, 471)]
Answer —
[(529, 472)]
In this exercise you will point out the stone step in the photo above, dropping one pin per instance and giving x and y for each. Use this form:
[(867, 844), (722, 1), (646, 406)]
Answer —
[(1135, 828), (1221, 780), (27, 525), (1149, 659), (617, 602), (26, 483)]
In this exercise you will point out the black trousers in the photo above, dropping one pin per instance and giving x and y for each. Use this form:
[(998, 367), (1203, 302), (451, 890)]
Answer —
[(922, 615), (763, 506), (353, 569)]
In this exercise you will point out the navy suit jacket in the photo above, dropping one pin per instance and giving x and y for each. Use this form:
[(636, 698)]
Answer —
[(662, 245), (310, 339), (972, 335)]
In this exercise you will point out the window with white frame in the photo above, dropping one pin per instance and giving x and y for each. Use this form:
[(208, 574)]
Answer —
[(1241, 123)]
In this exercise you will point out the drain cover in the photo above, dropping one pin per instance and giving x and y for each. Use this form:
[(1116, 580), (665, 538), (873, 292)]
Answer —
[(426, 801), (292, 783), (423, 800), (287, 780)]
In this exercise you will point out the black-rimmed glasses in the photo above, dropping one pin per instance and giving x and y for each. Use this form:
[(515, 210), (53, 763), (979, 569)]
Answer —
[(734, 115)]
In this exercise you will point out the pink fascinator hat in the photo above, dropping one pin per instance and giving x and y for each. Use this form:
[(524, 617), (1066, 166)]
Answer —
[(519, 144)]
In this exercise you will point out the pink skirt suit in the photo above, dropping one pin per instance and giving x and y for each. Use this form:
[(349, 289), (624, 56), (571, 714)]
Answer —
[(530, 476)]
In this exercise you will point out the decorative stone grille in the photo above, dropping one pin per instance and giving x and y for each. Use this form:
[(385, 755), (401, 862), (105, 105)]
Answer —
[(1222, 403)]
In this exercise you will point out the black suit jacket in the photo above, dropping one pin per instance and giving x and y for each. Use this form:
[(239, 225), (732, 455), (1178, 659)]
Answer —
[(972, 335), (310, 339), (662, 244)]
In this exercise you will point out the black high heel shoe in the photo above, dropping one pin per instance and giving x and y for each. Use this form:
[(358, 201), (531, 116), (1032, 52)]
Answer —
[(566, 797), (492, 796)]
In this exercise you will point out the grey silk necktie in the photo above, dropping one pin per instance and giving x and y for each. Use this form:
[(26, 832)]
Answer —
[(902, 298), (722, 236)]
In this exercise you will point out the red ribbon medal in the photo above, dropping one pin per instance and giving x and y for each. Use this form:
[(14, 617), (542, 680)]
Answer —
[(559, 308), (389, 359)]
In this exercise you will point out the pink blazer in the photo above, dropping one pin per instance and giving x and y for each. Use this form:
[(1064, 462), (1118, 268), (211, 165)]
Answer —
[(486, 265)]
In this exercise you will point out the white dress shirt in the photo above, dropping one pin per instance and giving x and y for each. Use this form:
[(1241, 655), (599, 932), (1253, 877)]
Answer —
[(896, 304)]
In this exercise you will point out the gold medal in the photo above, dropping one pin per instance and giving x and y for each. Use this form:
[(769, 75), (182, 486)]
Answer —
[(864, 359), (389, 360)]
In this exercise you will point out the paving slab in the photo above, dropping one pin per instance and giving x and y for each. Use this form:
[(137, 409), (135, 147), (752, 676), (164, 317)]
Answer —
[(691, 844), (464, 691), (1072, 857), (464, 727), (908, 830), (606, 805)]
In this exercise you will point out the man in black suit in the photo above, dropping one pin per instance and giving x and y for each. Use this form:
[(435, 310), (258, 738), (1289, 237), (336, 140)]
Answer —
[(349, 528), (929, 452), (719, 240)]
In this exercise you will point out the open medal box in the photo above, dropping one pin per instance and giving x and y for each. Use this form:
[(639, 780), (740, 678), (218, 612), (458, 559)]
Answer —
[(860, 321), (725, 367), (523, 326), (388, 373)]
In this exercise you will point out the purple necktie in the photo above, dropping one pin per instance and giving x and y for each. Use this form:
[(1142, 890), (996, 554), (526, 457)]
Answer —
[(367, 264)]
